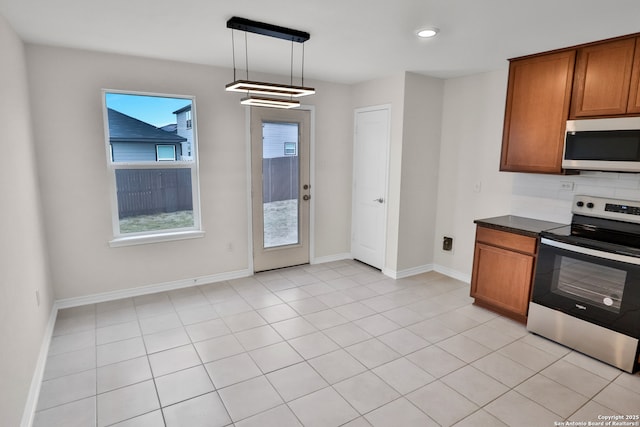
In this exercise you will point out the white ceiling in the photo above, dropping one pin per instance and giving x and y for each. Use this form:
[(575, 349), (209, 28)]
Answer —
[(351, 40)]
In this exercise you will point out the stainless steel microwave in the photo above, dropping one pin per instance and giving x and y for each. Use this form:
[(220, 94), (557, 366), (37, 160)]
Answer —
[(603, 145)]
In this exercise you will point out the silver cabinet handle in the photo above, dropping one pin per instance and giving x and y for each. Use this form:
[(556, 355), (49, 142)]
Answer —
[(379, 200)]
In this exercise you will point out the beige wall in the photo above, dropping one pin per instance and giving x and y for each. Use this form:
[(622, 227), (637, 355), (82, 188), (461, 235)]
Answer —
[(67, 107), (473, 113), (23, 261), (332, 166), (419, 170)]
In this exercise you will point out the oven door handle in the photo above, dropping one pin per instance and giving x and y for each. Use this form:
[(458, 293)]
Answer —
[(592, 252)]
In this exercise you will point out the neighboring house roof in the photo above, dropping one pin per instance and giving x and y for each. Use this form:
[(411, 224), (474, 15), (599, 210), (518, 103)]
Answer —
[(123, 128), (173, 127), (183, 109)]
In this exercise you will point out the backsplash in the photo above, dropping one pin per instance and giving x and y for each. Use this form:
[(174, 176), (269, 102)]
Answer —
[(549, 197)]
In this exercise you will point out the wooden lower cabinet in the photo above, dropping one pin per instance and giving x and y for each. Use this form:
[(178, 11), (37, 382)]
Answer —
[(503, 266)]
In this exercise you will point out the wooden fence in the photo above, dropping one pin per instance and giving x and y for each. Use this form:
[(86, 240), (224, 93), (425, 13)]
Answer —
[(152, 191), (279, 179)]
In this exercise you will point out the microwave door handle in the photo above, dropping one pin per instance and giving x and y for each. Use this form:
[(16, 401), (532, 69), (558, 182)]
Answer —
[(592, 252)]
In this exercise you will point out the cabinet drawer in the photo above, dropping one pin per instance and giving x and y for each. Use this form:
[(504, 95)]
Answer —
[(503, 239)]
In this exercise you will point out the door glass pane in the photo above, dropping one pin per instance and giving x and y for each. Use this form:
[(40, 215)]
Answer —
[(591, 283), (280, 183)]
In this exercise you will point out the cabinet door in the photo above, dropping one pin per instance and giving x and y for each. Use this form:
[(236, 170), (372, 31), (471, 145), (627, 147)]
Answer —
[(602, 79), (633, 106), (538, 98), (502, 278)]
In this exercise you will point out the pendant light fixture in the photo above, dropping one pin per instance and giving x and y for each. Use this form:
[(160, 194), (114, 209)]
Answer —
[(265, 90), (257, 101)]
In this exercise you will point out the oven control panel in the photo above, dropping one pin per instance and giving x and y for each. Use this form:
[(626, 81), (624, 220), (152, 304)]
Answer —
[(600, 207), (624, 209)]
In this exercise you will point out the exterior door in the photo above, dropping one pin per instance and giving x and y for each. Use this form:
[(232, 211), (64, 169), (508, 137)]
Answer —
[(280, 187), (370, 164)]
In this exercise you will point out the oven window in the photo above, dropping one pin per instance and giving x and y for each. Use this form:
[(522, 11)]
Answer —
[(590, 283)]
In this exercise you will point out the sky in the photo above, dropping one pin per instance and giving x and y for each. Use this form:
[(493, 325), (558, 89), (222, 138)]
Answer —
[(155, 110)]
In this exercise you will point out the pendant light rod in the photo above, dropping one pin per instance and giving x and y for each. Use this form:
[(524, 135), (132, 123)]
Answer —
[(302, 68), (246, 54), (291, 61), (233, 54), (265, 29)]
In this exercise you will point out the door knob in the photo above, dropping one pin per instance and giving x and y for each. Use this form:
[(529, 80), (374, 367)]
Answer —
[(306, 197), (379, 200)]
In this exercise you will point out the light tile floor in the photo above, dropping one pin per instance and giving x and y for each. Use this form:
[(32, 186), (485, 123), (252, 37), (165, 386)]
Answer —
[(317, 345)]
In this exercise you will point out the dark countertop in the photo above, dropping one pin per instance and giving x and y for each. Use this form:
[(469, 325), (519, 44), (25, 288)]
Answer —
[(518, 224)]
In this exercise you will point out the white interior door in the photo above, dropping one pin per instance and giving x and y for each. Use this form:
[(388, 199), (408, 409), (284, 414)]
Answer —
[(281, 191), (370, 165)]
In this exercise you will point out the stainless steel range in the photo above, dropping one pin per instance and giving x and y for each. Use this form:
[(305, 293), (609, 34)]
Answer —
[(586, 291)]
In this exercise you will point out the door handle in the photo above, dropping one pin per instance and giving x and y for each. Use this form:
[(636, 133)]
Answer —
[(379, 200), (306, 197)]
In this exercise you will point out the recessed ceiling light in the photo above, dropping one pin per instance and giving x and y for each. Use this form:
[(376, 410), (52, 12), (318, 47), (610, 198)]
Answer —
[(426, 33)]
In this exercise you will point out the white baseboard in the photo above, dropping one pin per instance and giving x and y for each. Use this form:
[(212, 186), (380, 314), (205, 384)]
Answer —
[(332, 258), (401, 274), (38, 373), (150, 289), (463, 277), (177, 284)]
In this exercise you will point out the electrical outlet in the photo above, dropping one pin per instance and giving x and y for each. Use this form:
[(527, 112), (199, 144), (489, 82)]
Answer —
[(447, 243), (566, 185)]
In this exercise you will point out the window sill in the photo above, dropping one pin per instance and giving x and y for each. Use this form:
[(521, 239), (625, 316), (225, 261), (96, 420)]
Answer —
[(155, 238)]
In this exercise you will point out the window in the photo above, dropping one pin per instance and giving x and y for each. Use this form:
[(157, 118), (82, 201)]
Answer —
[(154, 185), (290, 149), (165, 153), (188, 117)]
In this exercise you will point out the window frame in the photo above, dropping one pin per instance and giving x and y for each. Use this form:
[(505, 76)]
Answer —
[(159, 159), (152, 236), (295, 149)]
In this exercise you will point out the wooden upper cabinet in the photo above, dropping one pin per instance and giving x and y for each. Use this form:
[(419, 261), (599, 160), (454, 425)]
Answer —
[(537, 108), (633, 107), (602, 79)]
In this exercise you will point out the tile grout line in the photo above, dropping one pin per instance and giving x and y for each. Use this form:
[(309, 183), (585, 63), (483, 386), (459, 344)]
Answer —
[(153, 377), (215, 389)]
